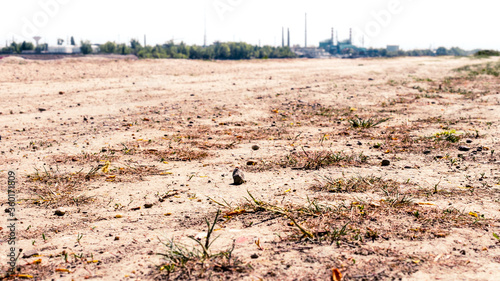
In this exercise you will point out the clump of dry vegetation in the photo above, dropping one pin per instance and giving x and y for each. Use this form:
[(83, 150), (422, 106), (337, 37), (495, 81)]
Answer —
[(194, 263), (314, 160), (353, 184), (57, 188)]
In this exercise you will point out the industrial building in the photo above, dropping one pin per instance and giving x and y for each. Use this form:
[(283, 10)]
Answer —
[(343, 48)]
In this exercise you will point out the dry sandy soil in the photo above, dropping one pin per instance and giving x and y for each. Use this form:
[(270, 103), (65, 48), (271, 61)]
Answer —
[(122, 166)]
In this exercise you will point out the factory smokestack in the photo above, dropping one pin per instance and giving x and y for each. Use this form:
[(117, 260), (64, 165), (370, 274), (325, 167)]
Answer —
[(350, 36), (282, 37), (288, 44), (333, 42), (305, 41)]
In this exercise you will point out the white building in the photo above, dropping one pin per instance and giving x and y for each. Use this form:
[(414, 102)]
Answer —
[(67, 49), (393, 48)]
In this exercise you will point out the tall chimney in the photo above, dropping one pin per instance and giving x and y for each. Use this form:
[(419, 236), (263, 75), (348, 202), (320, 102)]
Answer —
[(350, 36), (282, 37), (333, 42), (144, 40), (288, 38), (305, 32), (205, 31)]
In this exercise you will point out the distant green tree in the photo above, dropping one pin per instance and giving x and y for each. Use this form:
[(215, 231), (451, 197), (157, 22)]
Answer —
[(183, 49), (135, 46), (456, 51), (16, 48), (441, 51), (72, 41), (27, 46), (222, 51), (86, 47), (145, 52), (122, 49), (195, 52), (487, 53), (8, 49), (108, 47)]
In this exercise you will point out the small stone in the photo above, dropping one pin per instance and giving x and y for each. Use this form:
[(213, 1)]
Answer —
[(386, 162), (359, 143), (408, 167), (463, 148), (42, 109), (468, 141), (254, 256), (238, 176), (251, 163), (29, 254), (147, 206), (117, 238), (427, 152), (255, 147), (60, 212)]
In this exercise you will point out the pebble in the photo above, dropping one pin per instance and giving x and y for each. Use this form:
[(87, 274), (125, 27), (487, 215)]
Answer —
[(427, 152), (238, 176), (386, 162), (463, 148), (60, 212), (29, 254), (255, 147), (468, 141), (147, 206), (254, 256), (251, 163)]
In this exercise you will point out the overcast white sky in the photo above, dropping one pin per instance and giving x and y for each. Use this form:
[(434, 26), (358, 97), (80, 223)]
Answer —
[(408, 23)]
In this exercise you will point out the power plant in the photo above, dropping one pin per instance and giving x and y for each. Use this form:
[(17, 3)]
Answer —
[(342, 48)]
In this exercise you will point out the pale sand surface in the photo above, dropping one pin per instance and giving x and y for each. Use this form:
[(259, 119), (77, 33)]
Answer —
[(138, 111)]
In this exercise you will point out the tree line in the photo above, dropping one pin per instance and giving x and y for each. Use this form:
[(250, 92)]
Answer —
[(218, 50), (231, 51), (382, 52)]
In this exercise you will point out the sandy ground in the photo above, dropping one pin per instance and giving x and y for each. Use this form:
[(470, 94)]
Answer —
[(133, 154)]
